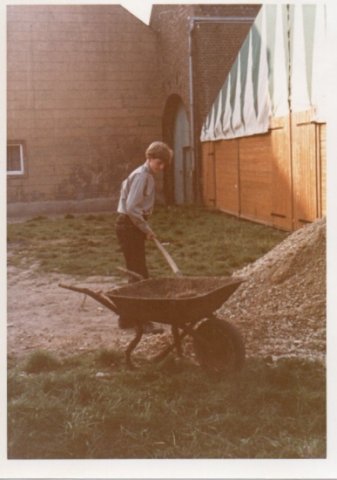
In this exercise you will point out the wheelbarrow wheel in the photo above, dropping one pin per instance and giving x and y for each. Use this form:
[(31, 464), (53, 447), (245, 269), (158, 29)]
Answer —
[(218, 345)]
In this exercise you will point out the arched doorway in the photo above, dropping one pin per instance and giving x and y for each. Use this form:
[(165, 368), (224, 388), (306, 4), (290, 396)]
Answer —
[(176, 132)]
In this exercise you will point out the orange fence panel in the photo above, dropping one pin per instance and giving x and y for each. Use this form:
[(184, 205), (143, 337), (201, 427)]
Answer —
[(255, 177), (281, 178), (277, 178), (322, 166), (304, 165), (208, 174), (227, 176)]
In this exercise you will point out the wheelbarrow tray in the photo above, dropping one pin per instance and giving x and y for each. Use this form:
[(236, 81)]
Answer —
[(172, 300)]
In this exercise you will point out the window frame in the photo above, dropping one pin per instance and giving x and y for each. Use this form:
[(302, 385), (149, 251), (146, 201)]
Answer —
[(21, 145)]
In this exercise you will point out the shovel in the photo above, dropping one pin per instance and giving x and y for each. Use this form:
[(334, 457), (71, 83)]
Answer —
[(167, 257)]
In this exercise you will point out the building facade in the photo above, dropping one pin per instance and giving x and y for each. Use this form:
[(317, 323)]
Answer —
[(83, 100), (90, 86)]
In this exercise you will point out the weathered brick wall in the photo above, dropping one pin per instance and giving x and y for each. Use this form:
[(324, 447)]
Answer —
[(88, 84), (215, 47), (83, 94), (171, 24)]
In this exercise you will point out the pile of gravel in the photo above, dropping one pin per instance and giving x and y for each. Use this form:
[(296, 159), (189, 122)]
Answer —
[(281, 307)]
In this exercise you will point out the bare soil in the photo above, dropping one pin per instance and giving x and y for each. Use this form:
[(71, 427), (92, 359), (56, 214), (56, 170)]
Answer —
[(280, 308), (43, 316)]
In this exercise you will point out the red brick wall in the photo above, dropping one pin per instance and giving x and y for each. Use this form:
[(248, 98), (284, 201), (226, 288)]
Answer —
[(216, 46), (170, 22), (88, 84), (214, 49), (84, 96)]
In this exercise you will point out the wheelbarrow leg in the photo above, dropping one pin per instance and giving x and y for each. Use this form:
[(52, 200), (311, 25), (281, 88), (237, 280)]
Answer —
[(177, 337), (177, 340), (133, 344)]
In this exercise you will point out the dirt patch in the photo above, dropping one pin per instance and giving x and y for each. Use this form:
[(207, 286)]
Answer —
[(41, 315), (280, 309)]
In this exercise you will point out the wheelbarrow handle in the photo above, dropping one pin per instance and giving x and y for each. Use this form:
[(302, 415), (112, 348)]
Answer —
[(137, 276), (98, 296), (167, 257)]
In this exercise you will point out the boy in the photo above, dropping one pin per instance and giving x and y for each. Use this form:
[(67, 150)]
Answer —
[(135, 205)]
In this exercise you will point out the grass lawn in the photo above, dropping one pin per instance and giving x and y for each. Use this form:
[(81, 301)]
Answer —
[(201, 242), (175, 409), (171, 410)]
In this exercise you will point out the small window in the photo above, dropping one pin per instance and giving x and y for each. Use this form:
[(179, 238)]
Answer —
[(15, 159)]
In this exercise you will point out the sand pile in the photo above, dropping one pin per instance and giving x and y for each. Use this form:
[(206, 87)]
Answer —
[(281, 308)]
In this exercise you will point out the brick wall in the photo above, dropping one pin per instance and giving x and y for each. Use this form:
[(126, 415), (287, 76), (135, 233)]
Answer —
[(88, 85), (83, 94), (170, 22), (214, 49), (216, 46)]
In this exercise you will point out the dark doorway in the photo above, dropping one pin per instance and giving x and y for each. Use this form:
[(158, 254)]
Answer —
[(176, 132)]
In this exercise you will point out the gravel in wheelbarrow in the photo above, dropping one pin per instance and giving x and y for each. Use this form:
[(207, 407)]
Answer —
[(173, 300)]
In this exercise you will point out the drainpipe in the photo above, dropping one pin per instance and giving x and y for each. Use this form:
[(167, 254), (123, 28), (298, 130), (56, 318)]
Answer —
[(293, 220), (191, 111), (194, 149)]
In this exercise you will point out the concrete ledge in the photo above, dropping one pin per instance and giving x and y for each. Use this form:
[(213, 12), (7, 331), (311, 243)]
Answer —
[(29, 209)]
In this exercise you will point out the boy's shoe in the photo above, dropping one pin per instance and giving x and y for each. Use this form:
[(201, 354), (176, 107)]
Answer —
[(148, 328), (125, 323), (151, 328)]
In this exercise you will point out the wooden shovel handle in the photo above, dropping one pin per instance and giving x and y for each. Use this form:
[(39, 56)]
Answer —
[(137, 276), (167, 257)]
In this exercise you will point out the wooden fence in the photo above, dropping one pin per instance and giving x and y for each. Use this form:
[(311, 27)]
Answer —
[(277, 178)]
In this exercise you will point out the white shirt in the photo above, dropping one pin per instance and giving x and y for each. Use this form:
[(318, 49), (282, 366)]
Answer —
[(137, 197)]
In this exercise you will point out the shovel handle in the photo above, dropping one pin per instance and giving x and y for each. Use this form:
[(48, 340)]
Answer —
[(167, 257), (135, 275)]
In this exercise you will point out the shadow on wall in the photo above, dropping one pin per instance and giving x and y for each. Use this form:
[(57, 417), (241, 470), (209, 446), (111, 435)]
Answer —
[(102, 176)]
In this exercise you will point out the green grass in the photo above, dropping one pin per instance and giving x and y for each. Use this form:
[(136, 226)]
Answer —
[(41, 361), (202, 242), (170, 410), (62, 409)]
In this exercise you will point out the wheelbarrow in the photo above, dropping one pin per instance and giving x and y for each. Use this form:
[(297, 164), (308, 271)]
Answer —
[(188, 305)]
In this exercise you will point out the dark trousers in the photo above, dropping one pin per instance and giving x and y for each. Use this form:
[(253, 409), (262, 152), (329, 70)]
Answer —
[(132, 243)]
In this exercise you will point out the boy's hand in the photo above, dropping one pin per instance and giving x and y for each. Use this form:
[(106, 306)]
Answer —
[(151, 236)]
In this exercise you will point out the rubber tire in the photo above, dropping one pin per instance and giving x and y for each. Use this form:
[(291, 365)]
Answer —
[(219, 345)]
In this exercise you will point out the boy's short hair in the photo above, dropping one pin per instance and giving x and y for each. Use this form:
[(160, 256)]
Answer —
[(159, 150)]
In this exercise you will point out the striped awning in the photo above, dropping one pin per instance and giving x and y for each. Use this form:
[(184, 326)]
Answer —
[(280, 67)]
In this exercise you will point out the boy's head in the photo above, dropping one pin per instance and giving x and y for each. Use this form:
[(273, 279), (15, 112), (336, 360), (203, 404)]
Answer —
[(159, 156)]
